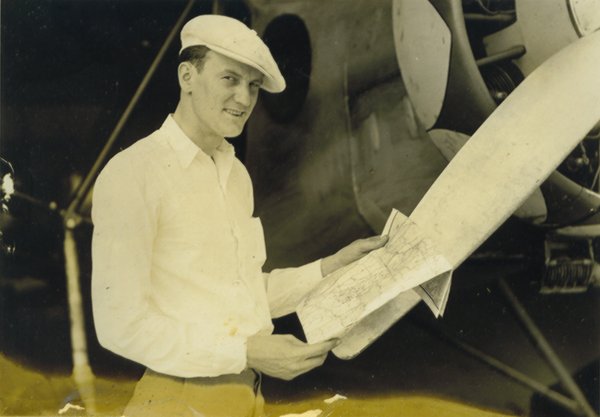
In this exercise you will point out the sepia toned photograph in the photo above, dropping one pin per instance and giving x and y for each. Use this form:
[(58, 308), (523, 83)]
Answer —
[(300, 208)]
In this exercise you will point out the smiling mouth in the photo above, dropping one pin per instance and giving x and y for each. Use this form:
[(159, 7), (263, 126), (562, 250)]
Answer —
[(235, 113)]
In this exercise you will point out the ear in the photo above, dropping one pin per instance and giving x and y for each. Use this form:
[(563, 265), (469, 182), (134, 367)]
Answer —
[(185, 74)]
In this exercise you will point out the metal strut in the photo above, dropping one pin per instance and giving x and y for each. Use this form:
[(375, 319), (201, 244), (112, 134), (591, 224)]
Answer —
[(86, 184), (549, 354), (577, 403)]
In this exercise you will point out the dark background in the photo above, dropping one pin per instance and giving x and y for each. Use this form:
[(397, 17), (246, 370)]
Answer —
[(68, 69)]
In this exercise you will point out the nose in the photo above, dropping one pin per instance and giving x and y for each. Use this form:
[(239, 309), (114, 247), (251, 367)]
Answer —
[(244, 95)]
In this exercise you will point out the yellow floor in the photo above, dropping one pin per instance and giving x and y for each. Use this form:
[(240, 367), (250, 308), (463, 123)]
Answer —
[(391, 406), (27, 392)]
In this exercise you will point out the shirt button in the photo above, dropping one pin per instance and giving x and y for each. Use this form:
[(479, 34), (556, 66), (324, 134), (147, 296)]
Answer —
[(237, 283)]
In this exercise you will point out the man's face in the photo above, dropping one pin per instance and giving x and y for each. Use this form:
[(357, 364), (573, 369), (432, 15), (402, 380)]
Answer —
[(224, 93)]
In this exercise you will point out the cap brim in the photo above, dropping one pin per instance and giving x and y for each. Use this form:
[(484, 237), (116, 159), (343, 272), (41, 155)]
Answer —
[(270, 83)]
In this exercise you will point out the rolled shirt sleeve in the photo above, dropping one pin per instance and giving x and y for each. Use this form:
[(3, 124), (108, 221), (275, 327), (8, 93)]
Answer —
[(125, 215)]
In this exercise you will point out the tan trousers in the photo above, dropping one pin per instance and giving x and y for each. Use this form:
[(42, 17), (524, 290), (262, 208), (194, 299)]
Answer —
[(158, 395)]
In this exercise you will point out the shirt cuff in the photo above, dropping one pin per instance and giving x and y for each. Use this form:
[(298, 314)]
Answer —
[(312, 272), (211, 356)]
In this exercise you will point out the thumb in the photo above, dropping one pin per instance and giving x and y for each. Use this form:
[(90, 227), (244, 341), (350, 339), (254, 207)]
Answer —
[(374, 242)]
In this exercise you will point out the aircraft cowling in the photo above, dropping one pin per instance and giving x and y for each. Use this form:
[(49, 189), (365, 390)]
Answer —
[(346, 142), (332, 172)]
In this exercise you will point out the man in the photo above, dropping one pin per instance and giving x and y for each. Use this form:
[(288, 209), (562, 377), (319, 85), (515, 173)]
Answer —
[(177, 283)]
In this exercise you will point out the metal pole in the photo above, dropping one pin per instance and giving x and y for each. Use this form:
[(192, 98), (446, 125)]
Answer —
[(217, 7), (498, 18), (86, 184), (509, 371), (82, 372), (540, 388), (511, 53), (547, 351)]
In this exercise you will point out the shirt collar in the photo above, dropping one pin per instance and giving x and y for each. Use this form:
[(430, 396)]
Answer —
[(186, 150)]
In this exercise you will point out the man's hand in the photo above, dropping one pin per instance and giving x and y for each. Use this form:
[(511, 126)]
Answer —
[(285, 357), (351, 253)]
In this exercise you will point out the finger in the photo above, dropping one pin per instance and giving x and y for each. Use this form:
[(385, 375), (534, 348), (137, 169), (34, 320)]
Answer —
[(381, 239), (291, 340), (330, 344), (302, 366), (374, 242), (311, 363), (322, 348), (317, 356)]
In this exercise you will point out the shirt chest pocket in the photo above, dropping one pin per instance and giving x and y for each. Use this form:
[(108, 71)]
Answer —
[(254, 241)]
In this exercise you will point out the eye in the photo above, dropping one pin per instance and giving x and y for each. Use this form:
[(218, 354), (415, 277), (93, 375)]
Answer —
[(255, 85), (229, 79)]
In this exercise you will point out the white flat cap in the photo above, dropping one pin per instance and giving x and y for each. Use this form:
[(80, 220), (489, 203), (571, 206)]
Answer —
[(235, 40)]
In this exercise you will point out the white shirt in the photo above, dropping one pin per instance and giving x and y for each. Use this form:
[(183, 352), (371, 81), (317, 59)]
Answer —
[(177, 283)]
